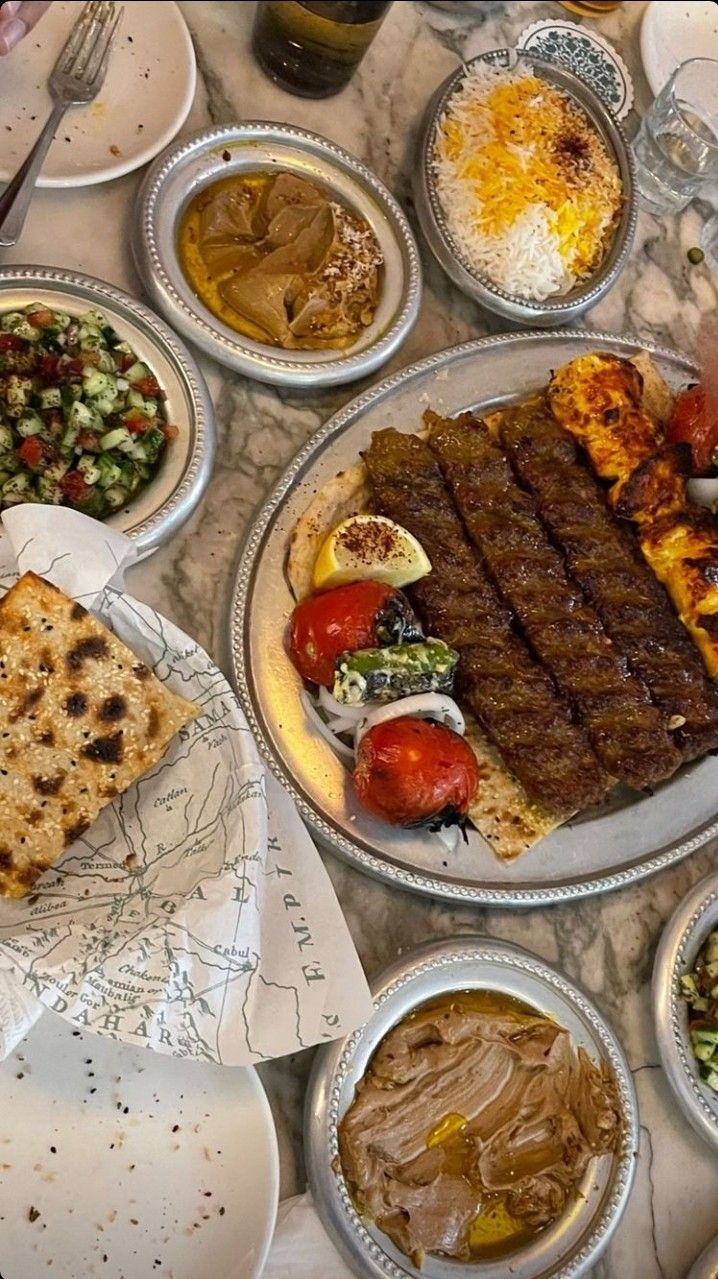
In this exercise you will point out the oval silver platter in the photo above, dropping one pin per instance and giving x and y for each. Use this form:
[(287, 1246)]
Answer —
[(572, 1244), (682, 938), (625, 841), (171, 497)]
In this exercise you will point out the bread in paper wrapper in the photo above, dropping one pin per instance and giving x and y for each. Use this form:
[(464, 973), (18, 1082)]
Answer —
[(80, 720)]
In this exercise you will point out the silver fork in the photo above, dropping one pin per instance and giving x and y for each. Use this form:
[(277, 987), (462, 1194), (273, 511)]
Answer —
[(76, 78)]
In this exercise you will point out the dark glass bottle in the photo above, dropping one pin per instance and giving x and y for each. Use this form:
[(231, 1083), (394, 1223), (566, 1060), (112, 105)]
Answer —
[(314, 48)]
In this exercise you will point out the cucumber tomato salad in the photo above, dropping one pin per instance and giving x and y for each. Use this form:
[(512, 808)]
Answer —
[(81, 418)]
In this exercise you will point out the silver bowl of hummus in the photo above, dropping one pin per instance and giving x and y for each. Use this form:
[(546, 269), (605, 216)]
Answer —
[(279, 254), (483, 1121)]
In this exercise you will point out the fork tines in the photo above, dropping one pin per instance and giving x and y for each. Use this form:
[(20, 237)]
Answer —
[(87, 48)]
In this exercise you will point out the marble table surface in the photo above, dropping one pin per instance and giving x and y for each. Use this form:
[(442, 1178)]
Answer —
[(607, 943)]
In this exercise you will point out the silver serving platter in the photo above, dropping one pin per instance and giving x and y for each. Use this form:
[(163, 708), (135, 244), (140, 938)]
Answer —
[(682, 938), (706, 1266), (607, 848), (161, 509), (559, 309), (185, 168), (569, 1247)]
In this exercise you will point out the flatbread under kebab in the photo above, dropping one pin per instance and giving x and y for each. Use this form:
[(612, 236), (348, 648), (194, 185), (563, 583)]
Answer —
[(81, 718)]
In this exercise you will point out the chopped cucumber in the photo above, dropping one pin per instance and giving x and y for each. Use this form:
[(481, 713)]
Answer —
[(50, 397), (30, 424), (17, 394), (115, 497), (18, 489), (7, 442), (17, 324), (95, 383), (88, 467), (137, 372), (84, 417), (116, 439)]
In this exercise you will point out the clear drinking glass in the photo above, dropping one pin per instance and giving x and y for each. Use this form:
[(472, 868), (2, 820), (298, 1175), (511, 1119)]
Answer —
[(676, 149)]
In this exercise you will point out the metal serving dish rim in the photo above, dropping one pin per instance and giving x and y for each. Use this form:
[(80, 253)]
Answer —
[(159, 527), (449, 255), (340, 845), (334, 1062), (682, 937), (254, 359)]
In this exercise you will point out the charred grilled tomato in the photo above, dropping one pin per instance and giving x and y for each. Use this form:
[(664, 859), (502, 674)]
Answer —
[(363, 615), (694, 423), (414, 772)]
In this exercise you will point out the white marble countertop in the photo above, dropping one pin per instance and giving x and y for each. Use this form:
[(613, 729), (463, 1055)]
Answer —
[(608, 943)]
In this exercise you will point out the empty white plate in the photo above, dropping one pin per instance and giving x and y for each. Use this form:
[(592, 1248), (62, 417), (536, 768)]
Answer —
[(673, 31), (143, 103), (119, 1163)]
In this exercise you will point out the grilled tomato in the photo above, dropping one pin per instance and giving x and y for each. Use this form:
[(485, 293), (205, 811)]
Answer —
[(414, 772), (362, 615), (694, 423)]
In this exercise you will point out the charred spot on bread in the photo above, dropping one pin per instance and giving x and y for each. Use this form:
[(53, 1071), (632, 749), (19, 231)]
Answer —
[(141, 671), (93, 646), (105, 750), (30, 699), (113, 708), (153, 722), (48, 785), (46, 739), (76, 704), (77, 612)]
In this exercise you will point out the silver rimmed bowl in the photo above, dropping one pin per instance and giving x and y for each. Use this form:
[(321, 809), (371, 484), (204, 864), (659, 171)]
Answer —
[(257, 145), (560, 308), (159, 510), (565, 1250), (683, 936)]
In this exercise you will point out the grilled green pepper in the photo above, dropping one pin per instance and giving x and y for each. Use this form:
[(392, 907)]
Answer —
[(399, 670)]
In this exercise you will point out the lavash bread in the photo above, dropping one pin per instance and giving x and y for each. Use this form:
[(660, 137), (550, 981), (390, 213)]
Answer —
[(80, 720)]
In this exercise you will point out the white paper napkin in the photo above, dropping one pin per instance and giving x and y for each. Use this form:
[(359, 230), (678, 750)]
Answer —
[(301, 1248), (221, 939)]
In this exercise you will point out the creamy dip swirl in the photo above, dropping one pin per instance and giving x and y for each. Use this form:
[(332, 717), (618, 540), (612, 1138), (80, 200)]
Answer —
[(471, 1116)]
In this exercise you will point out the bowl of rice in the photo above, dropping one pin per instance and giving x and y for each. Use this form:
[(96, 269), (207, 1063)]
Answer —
[(524, 188)]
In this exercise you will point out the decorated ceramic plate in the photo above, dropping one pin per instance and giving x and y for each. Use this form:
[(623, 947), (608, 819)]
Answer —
[(144, 101)]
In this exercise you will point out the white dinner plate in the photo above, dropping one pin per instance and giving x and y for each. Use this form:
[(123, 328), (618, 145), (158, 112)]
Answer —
[(119, 1163), (142, 105), (673, 31)]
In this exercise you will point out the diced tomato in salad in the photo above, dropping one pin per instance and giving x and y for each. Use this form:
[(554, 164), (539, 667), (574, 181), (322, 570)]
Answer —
[(148, 386), (32, 452), (41, 319), (9, 342), (74, 487)]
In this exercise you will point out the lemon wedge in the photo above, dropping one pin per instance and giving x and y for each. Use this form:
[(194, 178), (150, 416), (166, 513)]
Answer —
[(369, 547)]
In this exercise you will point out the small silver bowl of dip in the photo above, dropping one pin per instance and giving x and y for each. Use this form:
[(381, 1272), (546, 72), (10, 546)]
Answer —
[(197, 162), (571, 1245), (560, 308)]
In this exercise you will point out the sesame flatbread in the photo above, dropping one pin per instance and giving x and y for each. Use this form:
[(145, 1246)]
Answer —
[(81, 718)]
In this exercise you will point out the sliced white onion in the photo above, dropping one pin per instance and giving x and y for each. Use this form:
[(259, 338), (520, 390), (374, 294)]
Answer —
[(337, 709), (339, 747), (422, 706), (449, 836)]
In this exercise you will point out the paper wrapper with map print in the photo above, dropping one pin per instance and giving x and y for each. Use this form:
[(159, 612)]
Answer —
[(194, 916)]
